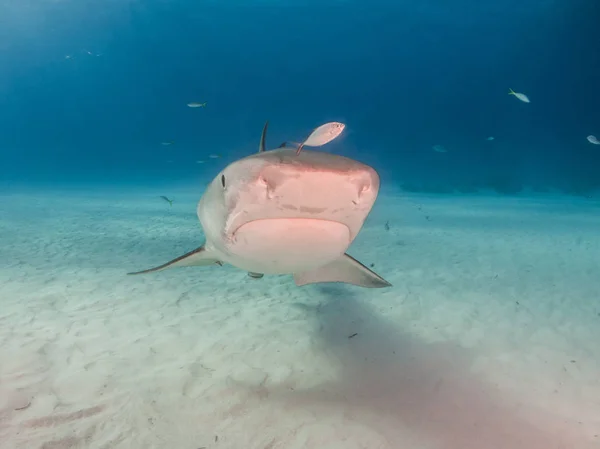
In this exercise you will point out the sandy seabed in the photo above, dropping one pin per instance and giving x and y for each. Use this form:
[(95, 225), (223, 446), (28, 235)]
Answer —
[(489, 338)]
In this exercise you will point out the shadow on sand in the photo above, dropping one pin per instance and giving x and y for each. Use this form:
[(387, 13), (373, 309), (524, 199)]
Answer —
[(409, 391)]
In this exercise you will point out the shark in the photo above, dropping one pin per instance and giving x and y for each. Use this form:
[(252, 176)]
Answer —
[(281, 212)]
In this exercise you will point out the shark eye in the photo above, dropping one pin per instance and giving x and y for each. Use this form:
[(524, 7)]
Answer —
[(223, 180)]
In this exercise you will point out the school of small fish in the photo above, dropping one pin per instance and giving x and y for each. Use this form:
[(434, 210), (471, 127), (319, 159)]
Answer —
[(329, 131), (525, 99)]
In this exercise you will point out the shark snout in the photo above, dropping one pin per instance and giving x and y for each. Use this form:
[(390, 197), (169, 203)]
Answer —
[(317, 192), (285, 190), (293, 182)]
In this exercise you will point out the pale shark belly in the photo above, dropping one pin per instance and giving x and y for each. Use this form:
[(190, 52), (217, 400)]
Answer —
[(287, 245)]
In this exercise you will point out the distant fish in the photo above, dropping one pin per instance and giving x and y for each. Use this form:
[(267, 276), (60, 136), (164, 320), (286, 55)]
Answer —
[(167, 200), (490, 138), (593, 139), (167, 143), (196, 105), (199, 162), (521, 97), (439, 149), (214, 156)]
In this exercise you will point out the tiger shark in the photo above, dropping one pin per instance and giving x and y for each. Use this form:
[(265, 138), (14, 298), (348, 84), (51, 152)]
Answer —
[(279, 212)]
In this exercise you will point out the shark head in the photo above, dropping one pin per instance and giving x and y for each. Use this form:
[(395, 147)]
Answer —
[(277, 212), (284, 212)]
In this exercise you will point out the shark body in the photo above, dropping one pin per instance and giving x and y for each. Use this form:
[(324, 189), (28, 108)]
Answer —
[(279, 212)]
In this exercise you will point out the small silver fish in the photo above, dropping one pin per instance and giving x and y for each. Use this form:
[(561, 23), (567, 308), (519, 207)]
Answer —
[(322, 135), (167, 200), (194, 104), (593, 140), (490, 138), (521, 97), (439, 149), (166, 144)]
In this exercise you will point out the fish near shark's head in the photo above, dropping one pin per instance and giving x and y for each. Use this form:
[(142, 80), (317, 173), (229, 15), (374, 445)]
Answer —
[(279, 212)]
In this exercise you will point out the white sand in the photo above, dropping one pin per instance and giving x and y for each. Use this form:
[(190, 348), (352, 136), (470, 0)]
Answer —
[(489, 339)]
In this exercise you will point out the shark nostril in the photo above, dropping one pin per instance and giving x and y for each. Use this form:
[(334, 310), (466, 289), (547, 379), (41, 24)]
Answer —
[(270, 188), (363, 188), (266, 182)]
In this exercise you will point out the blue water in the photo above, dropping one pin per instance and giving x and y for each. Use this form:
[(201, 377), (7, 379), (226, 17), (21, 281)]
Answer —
[(487, 338), (403, 76)]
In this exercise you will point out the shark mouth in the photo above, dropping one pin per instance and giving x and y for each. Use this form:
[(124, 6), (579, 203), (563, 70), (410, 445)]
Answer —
[(288, 245)]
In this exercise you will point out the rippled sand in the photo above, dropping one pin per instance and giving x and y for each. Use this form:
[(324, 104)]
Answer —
[(489, 338)]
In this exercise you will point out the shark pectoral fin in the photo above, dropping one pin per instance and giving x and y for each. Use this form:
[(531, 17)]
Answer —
[(195, 258), (345, 269)]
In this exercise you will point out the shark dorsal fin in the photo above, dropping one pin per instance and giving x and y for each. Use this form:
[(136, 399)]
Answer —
[(263, 138)]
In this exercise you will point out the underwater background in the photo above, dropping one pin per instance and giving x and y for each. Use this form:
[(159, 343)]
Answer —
[(485, 229), (90, 89)]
